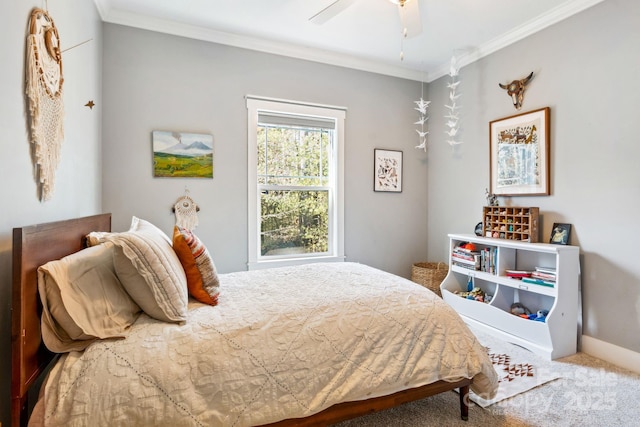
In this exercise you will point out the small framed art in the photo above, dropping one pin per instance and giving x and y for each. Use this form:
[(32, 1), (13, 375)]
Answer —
[(387, 170), (560, 234), (519, 154), (182, 155)]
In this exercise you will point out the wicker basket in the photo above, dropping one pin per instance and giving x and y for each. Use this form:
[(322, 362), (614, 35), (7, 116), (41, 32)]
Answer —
[(429, 275)]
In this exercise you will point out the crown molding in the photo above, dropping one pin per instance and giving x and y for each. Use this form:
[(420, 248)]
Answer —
[(539, 23), (554, 16), (257, 44), (102, 8)]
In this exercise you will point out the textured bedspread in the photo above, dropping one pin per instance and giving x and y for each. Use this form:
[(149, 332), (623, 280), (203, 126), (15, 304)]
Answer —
[(282, 343)]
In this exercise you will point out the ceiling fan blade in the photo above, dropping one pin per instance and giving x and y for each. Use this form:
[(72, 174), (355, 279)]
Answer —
[(410, 18), (330, 11)]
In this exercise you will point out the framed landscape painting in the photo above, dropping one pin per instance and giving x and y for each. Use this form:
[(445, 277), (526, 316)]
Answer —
[(519, 154), (182, 155)]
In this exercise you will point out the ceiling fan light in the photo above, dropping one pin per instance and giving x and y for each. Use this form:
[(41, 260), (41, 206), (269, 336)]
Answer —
[(400, 2)]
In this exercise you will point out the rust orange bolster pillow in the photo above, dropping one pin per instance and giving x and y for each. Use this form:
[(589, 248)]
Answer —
[(202, 277)]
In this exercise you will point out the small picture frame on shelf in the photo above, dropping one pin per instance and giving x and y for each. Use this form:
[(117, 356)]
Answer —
[(560, 234)]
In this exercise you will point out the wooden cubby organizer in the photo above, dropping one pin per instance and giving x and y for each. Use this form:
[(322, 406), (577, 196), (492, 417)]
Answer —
[(553, 338), (511, 223)]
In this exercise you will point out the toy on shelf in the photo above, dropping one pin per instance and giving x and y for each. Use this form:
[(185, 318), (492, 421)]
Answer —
[(521, 311), (475, 294), (539, 316)]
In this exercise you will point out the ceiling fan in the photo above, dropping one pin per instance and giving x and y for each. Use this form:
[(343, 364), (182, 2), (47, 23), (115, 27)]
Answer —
[(408, 10)]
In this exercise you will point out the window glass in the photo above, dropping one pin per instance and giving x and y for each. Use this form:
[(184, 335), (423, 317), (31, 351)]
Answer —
[(295, 182)]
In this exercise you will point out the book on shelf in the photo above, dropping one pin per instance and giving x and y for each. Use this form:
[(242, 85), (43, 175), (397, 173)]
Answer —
[(467, 266), (482, 260), (541, 282), (517, 274), (548, 270), (472, 261), (545, 273), (465, 255), (543, 276), (464, 260), (488, 260)]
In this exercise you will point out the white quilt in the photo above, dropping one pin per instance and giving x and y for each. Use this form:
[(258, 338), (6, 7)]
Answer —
[(282, 343)]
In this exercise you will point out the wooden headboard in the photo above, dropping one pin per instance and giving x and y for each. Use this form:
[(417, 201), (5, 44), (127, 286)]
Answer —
[(34, 246)]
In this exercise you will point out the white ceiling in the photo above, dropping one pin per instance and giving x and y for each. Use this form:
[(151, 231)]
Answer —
[(365, 36)]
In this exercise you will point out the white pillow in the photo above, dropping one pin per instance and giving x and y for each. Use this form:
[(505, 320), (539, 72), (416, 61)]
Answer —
[(98, 237), (83, 300), (150, 271)]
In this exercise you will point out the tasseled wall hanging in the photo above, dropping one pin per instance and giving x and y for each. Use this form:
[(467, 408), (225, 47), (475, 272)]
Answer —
[(44, 94)]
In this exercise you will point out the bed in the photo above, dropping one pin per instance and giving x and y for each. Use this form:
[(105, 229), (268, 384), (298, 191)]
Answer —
[(316, 371)]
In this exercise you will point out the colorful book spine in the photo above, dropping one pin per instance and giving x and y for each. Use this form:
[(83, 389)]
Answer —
[(488, 260), (541, 282)]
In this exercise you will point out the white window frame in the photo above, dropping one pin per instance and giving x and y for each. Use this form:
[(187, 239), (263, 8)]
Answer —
[(336, 203)]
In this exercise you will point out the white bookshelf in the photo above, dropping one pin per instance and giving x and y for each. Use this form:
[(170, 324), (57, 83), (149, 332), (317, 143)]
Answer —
[(554, 338)]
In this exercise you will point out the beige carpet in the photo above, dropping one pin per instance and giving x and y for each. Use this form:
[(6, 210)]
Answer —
[(588, 392)]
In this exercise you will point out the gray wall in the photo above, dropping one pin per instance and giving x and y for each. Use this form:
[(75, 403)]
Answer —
[(155, 81), (79, 174), (586, 70)]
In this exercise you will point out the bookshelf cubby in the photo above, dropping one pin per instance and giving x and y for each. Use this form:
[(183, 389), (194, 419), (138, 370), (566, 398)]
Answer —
[(554, 337)]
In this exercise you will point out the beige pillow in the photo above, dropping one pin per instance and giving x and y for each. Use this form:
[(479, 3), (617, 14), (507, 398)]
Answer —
[(150, 271), (83, 300), (142, 226)]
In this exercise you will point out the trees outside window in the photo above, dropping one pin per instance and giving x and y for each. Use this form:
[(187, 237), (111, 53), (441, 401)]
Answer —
[(295, 183)]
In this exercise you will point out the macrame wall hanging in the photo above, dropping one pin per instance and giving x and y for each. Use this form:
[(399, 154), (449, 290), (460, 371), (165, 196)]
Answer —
[(44, 95), (186, 212)]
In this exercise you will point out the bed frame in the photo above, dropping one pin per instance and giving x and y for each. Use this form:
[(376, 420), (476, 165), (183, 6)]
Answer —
[(35, 245)]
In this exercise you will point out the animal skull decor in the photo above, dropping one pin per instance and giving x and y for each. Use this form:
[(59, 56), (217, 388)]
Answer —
[(515, 90)]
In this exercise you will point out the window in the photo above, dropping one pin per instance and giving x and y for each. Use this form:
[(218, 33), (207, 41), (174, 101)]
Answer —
[(295, 177)]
